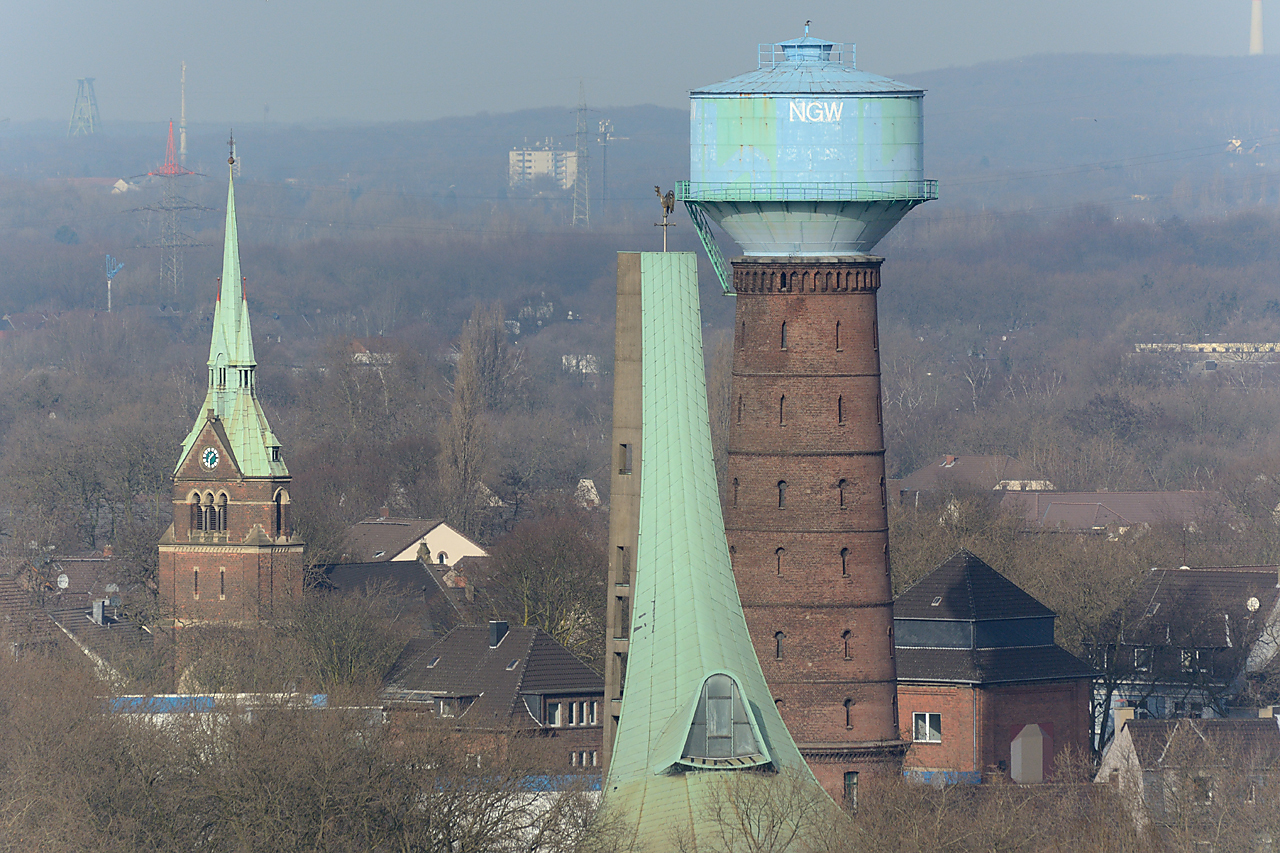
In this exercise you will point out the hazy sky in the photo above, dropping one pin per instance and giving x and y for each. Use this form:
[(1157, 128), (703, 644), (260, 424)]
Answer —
[(384, 60)]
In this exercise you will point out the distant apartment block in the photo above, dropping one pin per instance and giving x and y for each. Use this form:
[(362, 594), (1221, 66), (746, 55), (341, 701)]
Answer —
[(527, 164)]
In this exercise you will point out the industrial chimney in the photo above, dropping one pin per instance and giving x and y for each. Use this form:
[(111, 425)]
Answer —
[(1255, 30)]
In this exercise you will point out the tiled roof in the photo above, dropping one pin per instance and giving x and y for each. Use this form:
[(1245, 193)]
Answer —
[(968, 589), (468, 667), (383, 538), (1256, 739), (1172, 604), (1091, 510), (991, 666), (21, 622), (110, 641), (979, 472)]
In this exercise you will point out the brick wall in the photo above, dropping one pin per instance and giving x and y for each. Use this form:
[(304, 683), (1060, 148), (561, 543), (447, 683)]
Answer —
[(811, 556)]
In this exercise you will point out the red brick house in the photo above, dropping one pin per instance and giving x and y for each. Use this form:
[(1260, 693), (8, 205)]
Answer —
[(493, 681), (982, 687)]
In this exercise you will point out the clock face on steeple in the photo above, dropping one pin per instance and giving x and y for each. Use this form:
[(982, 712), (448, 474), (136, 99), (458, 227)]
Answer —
[(210, 458)]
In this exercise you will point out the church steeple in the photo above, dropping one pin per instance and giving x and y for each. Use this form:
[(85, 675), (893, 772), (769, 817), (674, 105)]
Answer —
[(232, 390)]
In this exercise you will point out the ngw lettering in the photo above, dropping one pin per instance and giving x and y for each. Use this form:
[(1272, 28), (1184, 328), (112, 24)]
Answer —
[(816, 110)]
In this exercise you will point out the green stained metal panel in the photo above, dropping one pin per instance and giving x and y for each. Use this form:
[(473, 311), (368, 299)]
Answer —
[(687, 621), (235, 401)]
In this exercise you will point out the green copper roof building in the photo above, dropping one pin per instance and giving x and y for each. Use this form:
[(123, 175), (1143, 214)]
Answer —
[(232, 394), (696, 711)]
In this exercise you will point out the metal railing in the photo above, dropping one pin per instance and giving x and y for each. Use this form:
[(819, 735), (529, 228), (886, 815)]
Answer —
[(925, 190), (773, 55)]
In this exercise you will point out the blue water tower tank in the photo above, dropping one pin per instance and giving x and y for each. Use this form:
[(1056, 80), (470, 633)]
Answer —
[(805, 156)]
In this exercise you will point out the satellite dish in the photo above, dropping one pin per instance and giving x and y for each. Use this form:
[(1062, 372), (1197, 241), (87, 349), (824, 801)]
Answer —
[(63, 581), (1253, 604)]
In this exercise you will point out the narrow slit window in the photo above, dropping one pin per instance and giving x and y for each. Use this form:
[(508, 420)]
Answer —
[(739, 408), (778, 555), (195, 583), (782, 494), (625, 458), (837, 336), (844, 639), (842, 487), (222, 584), (784, 334), (844, 562), (839, 410), (735, 491), (848, 712), (777, 645), (782, 410)]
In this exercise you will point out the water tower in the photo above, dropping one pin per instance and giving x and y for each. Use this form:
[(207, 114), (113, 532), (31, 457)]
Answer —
[(807, 163)]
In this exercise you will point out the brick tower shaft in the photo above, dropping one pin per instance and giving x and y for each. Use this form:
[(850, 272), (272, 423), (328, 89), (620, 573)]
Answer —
[(806, 513)]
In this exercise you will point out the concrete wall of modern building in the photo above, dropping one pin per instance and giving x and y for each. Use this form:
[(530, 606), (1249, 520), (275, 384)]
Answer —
[(624, 495)]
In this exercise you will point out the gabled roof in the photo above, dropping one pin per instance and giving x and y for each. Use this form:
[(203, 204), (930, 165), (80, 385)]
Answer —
[(1256, 739), (21, 622), (975, 472), (1217, 606), (1083, 511), (461, 664), (966, 589), (377, 539)]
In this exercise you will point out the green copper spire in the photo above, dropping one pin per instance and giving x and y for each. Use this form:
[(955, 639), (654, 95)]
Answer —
[(232, 394), (696, 711)]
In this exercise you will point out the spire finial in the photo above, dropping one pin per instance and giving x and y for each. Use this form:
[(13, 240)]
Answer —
[(806, 27), (231, 145)]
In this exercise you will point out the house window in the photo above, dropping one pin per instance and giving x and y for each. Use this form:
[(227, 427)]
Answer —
[(442, 557), (1142, 658), (595, 709), (851, 789), (553, 713), (926, 728)]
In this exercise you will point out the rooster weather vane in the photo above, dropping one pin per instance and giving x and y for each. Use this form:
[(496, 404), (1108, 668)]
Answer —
[(668, 207)]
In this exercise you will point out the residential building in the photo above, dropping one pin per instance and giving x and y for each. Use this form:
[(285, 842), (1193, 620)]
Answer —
[(1116, 513), (980, 473), (983, 689), (492, 681), (391, 539)]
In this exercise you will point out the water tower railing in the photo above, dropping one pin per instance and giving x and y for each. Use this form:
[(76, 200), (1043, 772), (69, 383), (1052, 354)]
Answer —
[(773, 55), (924, 190)]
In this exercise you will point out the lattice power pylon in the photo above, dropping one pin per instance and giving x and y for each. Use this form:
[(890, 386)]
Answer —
[(84, 115), (582, 146), (172, 238)]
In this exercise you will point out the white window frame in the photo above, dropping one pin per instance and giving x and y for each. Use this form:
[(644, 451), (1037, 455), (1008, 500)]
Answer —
[(932, 727)]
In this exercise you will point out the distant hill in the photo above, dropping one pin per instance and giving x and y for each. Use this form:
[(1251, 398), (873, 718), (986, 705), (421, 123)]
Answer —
[(1037, 132)]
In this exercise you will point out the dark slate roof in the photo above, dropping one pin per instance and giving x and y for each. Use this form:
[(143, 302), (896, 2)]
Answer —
[(1256, 739), (969, 590), (383, 538), (1176, 605), (1093, 510), (468, 667), (113, 641), (21, 622), (978, 472), (991, 666), (421, 594)]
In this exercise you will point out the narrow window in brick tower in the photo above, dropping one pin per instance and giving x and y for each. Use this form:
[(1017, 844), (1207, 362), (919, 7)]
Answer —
[(220, 519), (884, 494), (782, 410), (777, 645), (778, 556), (735, 491), (848, 712), (197, 517), (842, 486), (195, 583), (782, 494), (839, 410), (739, 408), (784, 334), (222, 584), (742, 336), (844, 639), (844, 562), (838, 347), (851, 790)]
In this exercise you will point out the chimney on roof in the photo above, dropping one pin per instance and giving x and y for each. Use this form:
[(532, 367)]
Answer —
[(385, 512), (108, 551), (497, 630), (99, 615), (951, 460)]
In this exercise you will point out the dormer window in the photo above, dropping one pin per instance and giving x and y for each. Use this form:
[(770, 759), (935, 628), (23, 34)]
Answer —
[(275, 454), (721, 732)]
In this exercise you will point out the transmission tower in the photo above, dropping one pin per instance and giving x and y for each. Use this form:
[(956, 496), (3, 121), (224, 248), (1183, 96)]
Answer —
[(606, 137), (84, 115), (172, 238), (581, 197)]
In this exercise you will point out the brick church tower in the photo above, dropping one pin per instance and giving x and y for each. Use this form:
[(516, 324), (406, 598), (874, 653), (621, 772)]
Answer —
[(807, 162), (230, 557)]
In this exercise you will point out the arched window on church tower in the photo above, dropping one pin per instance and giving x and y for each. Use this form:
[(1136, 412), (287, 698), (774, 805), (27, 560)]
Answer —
[(220, 513), (207, 510), (197, 517)]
